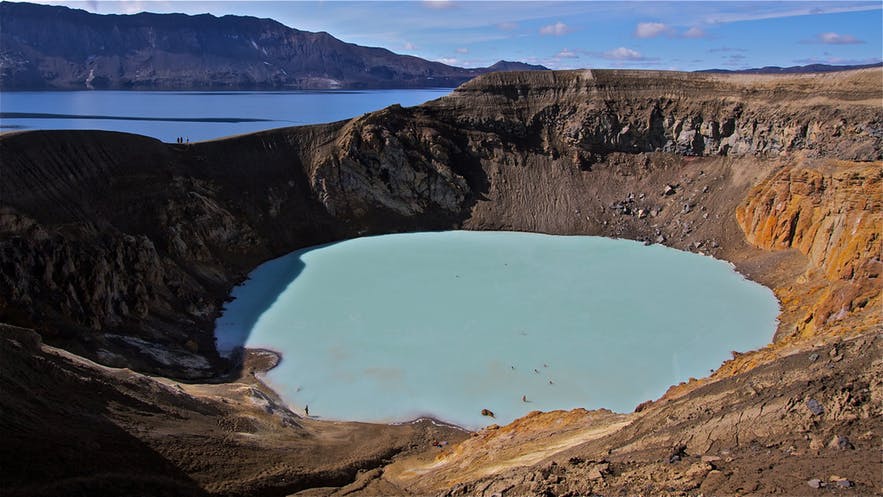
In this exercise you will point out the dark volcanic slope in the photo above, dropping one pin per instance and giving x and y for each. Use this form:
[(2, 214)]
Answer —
[(56, 47)]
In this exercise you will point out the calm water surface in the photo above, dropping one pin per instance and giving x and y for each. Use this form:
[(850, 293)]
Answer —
[(445, 324), (197, 115)]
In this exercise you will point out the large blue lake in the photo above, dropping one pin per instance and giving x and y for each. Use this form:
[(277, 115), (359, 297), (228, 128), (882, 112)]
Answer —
[(196, 115), (446, 324)]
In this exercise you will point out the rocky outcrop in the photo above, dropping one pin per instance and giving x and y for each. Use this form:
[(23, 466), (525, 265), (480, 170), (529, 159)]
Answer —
[(384, 159), (593, 113), (831, 212), (44, 46), (490, 450)]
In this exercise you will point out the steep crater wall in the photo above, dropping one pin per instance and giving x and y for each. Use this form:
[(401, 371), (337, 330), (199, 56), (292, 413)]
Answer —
[(123, 248), (833, 214)]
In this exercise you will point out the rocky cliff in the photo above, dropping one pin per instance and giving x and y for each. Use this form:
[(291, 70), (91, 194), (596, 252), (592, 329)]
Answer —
[(599, 111), (123, 248), (831, 212), (57, 47)]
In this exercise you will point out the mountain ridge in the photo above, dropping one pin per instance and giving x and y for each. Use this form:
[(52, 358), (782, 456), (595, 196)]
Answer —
[(808, 68), (53, 47)]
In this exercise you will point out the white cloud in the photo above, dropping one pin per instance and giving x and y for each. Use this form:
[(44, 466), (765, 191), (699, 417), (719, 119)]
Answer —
[(623, 53), (726, 49), (438, 4), (694, 32), (837, 39), (755, 11), (135, 7), (656, 29), (652, 29), (447, 60), (121, 6), (734, 60), (566, 54), (409, 46), (462, 50), (557, 29), (508, 26)]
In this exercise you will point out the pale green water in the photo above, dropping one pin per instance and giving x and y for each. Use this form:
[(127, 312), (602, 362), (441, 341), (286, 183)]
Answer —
[(394, 327)]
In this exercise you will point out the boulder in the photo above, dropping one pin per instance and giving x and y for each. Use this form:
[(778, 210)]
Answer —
[(840, 442), (815, 407)]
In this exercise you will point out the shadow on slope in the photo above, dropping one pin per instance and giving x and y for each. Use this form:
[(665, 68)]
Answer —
[(58, 436), (250, 299)]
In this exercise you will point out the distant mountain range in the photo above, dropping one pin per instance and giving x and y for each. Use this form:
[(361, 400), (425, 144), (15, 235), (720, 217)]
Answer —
[(50, 47), (794, 69)]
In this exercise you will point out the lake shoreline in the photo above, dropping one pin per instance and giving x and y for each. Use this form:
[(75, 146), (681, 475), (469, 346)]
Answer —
[(388, 352), (259, 361)]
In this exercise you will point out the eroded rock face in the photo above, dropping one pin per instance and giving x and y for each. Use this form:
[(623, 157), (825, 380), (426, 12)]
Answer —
[(382, 159), (122, 276), (832, 212), (74, 289), (598, 112)]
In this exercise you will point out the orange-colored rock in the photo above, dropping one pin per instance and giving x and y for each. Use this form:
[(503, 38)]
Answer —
[(523, 442), (833, 213)]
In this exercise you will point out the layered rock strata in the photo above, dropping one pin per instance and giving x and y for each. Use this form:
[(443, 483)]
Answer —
[(832, 213)]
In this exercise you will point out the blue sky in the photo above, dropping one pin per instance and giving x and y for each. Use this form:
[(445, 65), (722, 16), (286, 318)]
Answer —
[(560, 35)]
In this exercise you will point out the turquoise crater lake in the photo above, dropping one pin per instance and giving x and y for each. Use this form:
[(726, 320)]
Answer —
[(445, 324)]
